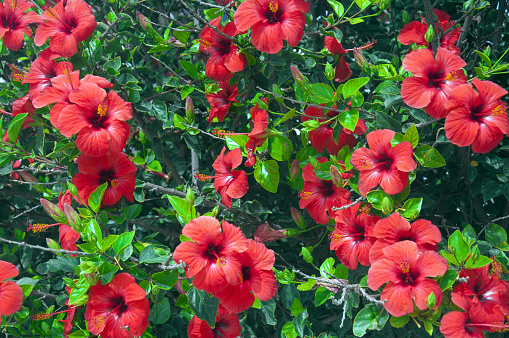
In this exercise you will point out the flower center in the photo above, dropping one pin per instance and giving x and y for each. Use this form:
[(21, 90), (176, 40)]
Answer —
[(407, 276), (101, 112), (108, 176), (274, 12), (365, 164), (246, 273), (435, 79), (213, 254)]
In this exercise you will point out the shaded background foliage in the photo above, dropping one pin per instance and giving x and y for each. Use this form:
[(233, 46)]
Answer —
[(156, 76)]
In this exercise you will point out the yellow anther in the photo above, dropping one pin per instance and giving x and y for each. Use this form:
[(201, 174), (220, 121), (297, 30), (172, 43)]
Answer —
[(366, 164), (305, 195), (336, 237), (204, 43), (405, 267), (115, 183), (102, 108), (39, 227), (273, 6), (41, 316), (500, 109), (203, 178), (453, 75), (221, 262)]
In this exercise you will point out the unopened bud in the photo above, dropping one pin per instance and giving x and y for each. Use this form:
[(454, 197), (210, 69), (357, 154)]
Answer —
[(190, 196), (360, 59), (336, 177), (429, 34), (297, 75), (329, 71), (406, 17), (264, 233), (53, 211), (295, 169), (297, 217), (189, 110), (292, 232), (142, 20), (91, 278)]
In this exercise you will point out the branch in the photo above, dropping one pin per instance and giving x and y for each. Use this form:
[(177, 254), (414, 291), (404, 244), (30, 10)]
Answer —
[(39, 183), (422, 124), (348, 205), (144, 223), (181, 194), (45, 249), (43, 295), (26, 211), (430, 20), (491, 222), (203, 131)]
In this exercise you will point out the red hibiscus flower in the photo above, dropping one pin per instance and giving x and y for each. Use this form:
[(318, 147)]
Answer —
[(59, 90), (227, 326), (118, 309), (99, 121), (115, 168), (67, 24), (382, 164), (21, 106), (264, 233), (334, 46), (273, 21), (221, 101), (43, 69), (230, 183), (14, 22), (66, 234), (225, 58), (406, 272), (342, 72), (212, 256), (322, 137), (11, 295), (319, 196), (414, 32), (488, 294), (257, 279), (432, 79), (395, 229), (259, 124), (477, 118), (353, 237)]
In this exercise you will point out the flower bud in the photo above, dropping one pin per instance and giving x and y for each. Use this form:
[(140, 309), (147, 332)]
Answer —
[(336, 177), (406, 17), (295, 169), (142, 20), (292, 232), (429, 34), (360, 59), (53, 211), (189, 110), (297, 218), (297, 75), (264, 233), (329, 71)]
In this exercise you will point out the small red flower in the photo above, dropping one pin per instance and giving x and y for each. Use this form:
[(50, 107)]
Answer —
[(118, 309), (382, 164), (221, 101), (228, 182), (273, 21), (225, 58), (477, 118), (257, 279), (395, 229), (21, 106), (334, 46), (322, 137), (414, 32), (212, 255), (97, 118), (67, 24), (432, 79), (43, 69), (227, 326), (352, 237), (14, 20), (406, 272), (264, 233), (11, 295), (319, 196), (115, 168)]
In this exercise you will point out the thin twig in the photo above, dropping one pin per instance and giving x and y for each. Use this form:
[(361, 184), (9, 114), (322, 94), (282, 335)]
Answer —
[(430, 121), (62, 251), (348, 205), (26, 211), (203, 131), (491, 222), (430, 20), (39, 183)]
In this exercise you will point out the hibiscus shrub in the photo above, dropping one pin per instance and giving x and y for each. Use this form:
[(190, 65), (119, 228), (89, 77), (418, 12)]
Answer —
[(270, 168)]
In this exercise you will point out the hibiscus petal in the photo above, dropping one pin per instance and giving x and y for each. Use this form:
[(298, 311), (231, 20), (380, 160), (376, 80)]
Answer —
[(488, 137), (12, 298), (64, 44), (448, 61), (398, 298), (431, 264), (426, 233), (488, 90), (91, 141), (381, 272), (380, 140), (7, 270), (460, 129), (423, 289), (394, 181), (402, 157), (413, 32), (248, 14), (292, 26), (267, 38), (136, 316), (72, 120), (416, 93), (235, 61)]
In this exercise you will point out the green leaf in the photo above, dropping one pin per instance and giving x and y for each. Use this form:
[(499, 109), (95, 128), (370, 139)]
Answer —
[(267, 174), (288, 330), (431, 301), (306, 254), (337, 7), (280, 148), (296, 307), (385, 121), (165, 279), (236, 141), (204, 305), (484, 58), (321, 296), (495, 234), (107, 271), (154, 254), (353, 85), (15, 127), (458, 246), (306, 286), (448, 279), (299, 323), (341, 271), (160, 110), (288, 295), (327, 268), (451, 259), (429, 157), (122, 242), (290, 114), (478, 263), (321, 93), (349, 118), (82, 286), (267, 309), (412, 136), (380, 201), (369, 318), (107, 242), (95, 199), (95, 230), (184, 209), (399, 321), (189, 67), (161, 312), (412, 208)]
